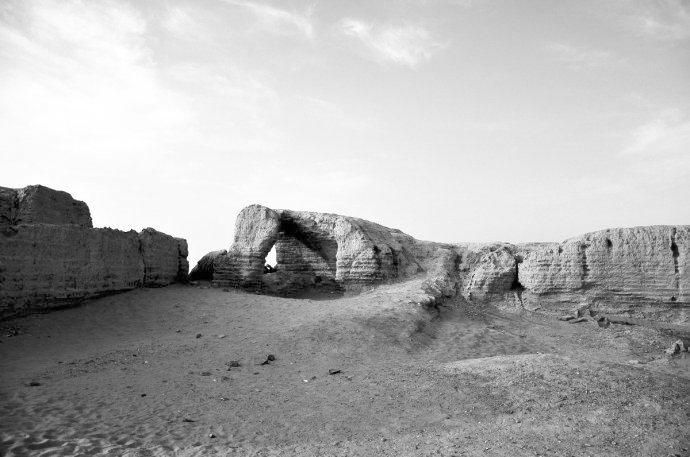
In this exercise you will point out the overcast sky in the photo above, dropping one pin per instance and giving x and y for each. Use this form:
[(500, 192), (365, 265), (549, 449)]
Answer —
[(450, 120)]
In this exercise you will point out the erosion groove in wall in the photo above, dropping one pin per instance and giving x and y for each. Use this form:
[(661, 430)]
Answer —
[(50, 256)]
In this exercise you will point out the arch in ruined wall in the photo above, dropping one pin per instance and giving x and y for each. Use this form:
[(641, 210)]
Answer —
[(305, 250)]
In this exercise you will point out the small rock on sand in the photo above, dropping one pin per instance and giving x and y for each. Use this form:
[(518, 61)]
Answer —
[(676, 348), (603, 322)]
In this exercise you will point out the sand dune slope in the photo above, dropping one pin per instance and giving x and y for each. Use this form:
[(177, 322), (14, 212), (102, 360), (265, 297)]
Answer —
[(127, 375)]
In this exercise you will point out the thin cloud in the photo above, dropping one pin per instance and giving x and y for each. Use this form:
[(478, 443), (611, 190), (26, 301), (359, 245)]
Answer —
[(72, 71), (276, 19), (84, 76), (668, 134), (664, 20), (656, 152), (182, 23), (577, 58), (654, 155), (402, 45)]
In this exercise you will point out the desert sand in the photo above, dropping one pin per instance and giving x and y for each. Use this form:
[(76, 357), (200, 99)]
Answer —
[(149, 372)]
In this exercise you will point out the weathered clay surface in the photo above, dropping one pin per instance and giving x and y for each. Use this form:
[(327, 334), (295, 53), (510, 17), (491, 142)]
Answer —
[(204, 268), (161, 254), (635, 269), (44, 265), (9, 207), (182, 262), (50, 256), (256, 230), (42, 205), (492, 271)]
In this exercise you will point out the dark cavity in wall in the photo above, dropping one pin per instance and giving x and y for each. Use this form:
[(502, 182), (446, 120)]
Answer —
[(517, 285), (377, 256), (609, 244), (674, 250), (585, 266)]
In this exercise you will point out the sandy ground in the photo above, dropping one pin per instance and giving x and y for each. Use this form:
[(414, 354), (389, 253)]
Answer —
[(130, 375)]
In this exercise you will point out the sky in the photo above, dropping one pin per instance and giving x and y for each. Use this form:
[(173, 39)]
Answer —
[(465, 120)]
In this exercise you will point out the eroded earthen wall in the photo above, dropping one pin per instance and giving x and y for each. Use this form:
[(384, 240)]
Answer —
[(44, 266), (50, 256), (354, 251), (9, 207), (164, 257), (615, 269), (295, 257), (632, 270), (204, 268), (42, 205)]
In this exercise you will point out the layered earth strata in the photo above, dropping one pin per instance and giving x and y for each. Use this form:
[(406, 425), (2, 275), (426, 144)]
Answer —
[(637, 271), (51, 256)]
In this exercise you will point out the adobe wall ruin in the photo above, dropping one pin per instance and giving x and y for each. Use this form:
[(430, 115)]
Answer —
[(313, 248), (50, 256), (637, 271)]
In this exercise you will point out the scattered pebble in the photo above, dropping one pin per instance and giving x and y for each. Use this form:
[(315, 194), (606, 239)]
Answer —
[(676, 348), (211, 435), (233, 364), (222, 336), (205, 373), (34, 384), (334, 371), (143, 395), (186, 419), (198, 335), (270, 358)]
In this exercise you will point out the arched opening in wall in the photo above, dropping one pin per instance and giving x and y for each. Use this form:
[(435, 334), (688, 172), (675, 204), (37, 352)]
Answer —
[(271, 261), (305, 262)]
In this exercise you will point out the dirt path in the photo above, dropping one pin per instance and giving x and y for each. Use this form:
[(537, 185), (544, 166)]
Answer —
[(127, 375)]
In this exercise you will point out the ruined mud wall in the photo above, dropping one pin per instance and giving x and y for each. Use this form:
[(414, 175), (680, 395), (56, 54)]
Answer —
[(351, 251), (44, 265), (164, 257), (626, 269), (203, 270), (295, 257), (51, 257), (41, 205), (638, 271)]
